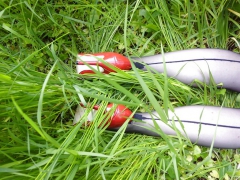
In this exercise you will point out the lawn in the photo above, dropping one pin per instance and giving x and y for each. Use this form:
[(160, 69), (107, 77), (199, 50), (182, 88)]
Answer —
[(40, 89)]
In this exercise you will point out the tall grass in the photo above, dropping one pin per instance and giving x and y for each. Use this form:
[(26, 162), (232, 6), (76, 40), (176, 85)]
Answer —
[(40, 89)]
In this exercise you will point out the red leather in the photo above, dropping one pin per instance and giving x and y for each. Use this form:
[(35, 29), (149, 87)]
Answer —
[(120, 115), (115, 59)]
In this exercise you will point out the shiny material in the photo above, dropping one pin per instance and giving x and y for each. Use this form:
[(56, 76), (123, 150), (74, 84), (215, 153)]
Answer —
[(200, 124), (205, 65), (120, 115), (115, 59)]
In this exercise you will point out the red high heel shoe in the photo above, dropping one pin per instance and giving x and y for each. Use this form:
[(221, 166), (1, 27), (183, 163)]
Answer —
[(120, 115), (112, 58)]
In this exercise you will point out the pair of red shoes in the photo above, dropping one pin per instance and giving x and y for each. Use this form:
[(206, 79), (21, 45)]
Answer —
[(121, 113)]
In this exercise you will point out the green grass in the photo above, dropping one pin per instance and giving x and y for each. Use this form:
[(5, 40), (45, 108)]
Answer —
[(40, 89)]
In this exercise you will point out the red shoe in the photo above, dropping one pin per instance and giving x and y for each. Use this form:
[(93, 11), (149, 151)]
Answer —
[(120, 115), (118, 118), (115, 59)]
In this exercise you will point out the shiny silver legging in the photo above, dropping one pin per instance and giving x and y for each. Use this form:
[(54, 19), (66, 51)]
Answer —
[(201, 124)]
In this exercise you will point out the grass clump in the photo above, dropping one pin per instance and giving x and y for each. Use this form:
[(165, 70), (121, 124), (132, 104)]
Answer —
[(40, 88)]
